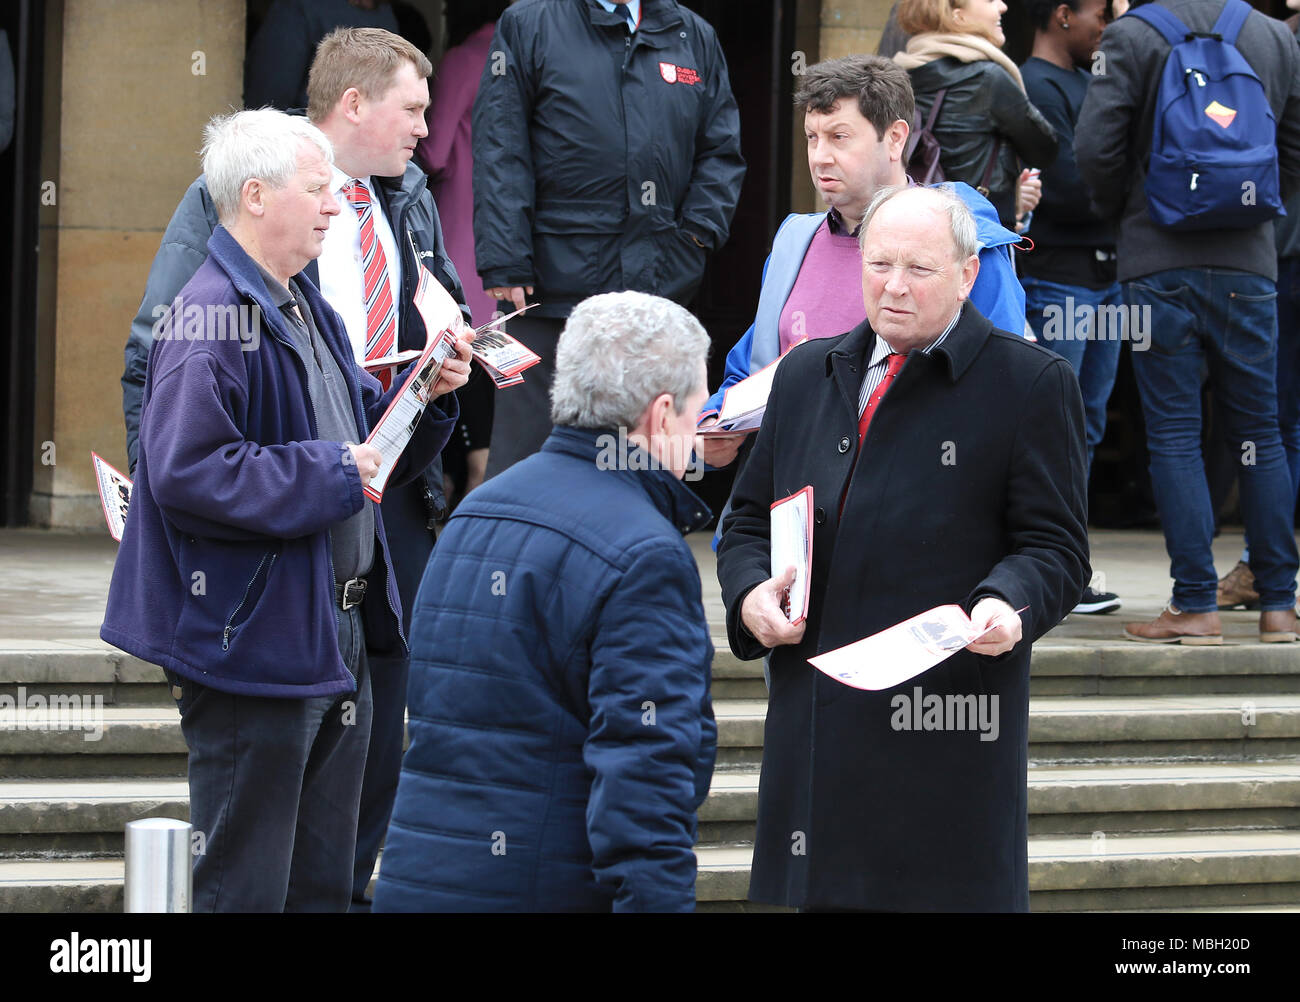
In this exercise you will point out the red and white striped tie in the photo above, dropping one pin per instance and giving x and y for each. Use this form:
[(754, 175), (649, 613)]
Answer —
[(381, 313)]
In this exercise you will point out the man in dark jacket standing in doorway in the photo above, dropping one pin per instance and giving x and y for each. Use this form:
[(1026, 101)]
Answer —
[(606, 157)]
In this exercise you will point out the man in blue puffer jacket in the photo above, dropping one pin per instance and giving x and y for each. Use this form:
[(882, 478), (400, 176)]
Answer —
[(562, 734)]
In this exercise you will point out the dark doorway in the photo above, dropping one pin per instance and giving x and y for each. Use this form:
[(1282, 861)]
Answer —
[(758, 47), (24, 26)]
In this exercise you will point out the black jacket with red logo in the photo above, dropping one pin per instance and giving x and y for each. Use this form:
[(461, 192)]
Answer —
[(603, 160)]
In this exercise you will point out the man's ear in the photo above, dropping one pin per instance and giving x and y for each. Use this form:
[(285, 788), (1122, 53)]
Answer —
[(251, 196), (350, 105), (896, 138), (970, 269)]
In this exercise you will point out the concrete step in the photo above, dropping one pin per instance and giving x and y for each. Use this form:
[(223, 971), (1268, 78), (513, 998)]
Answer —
[(61, 886), (1102, 798), (90, 742), (86, 668), (1063, 729), (1210, 870), (79, 817), (1117, 668)]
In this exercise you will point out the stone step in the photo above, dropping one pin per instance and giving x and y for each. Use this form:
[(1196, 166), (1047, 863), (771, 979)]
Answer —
[(61, 886), (1069, 668), (1219, 727), (109, 741), (84, 668), (1209, 870), (1101, 798), (79, 817)]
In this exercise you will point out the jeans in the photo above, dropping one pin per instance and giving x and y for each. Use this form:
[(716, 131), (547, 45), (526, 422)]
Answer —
[(1226, 321), (1092, 349), (1288, 370), (274, 788)]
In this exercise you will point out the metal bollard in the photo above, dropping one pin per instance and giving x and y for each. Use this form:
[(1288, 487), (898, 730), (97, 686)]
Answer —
[(159, 866)]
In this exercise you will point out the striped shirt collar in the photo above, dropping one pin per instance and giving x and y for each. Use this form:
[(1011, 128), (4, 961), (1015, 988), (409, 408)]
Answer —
[(882, 350)]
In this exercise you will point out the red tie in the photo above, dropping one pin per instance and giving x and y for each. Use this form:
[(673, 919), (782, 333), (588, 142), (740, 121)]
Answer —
[(381, 314), (894, 363)]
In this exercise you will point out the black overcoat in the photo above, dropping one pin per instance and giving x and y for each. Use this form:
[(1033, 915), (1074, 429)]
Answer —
[(971, 482)]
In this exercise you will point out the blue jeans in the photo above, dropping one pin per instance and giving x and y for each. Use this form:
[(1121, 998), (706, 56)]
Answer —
[(274, 789), (1091, 348), (1225, 321), (1288, 369)]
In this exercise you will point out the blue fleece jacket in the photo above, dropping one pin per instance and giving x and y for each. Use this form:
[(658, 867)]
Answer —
[(224, 574)]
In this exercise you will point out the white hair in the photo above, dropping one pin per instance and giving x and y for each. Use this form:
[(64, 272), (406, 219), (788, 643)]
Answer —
[(619, 351), (260, 144), (965, 235)]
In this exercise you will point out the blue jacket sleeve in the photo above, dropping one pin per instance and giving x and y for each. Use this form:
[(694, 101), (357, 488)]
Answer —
[(209, 479), (652, 737), (184, 247), (737, 369), (997, 292)]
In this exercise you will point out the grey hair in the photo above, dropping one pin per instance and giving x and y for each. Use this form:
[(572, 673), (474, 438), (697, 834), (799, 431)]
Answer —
[(965, 235), (619, 351), (261, 144)]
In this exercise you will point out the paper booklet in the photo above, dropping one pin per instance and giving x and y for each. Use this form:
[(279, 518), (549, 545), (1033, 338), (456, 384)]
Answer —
[(502, 357), (393, 431), (745, 403), (791, 544), (114, 495), (901, 652)]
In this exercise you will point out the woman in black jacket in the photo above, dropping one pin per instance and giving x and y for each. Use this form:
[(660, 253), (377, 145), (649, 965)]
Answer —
[(986, 128)]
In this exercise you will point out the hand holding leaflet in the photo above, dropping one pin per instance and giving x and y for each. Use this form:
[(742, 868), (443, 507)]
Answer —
[(901, 652), (791, 546)]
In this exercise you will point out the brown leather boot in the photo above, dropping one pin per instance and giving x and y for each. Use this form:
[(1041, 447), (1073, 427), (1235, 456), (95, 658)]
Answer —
[(1175, 627), (1238, 589), (1278, 627)]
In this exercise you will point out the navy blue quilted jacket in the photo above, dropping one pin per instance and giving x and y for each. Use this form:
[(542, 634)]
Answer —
[(562, 733)]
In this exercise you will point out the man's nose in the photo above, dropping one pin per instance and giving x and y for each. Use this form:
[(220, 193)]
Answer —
[(421, 127), (330, 207), (894, 284)]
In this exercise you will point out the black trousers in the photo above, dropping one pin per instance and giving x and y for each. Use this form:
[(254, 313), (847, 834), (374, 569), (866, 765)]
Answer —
[(410, 542), (274, 790)]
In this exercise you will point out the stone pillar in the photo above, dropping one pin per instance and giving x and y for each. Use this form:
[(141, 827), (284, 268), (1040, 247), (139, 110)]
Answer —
[(130, 86), (828, 29)]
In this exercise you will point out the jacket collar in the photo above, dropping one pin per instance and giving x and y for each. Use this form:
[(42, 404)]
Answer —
[(674, 500), (958, 350), (657, 16)]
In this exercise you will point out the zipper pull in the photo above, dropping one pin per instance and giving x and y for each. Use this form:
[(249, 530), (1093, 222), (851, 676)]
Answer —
[(225, 640), (1194, 177), (1199, 79)]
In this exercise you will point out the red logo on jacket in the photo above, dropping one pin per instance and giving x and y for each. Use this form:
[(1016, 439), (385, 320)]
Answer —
[(678, 74)]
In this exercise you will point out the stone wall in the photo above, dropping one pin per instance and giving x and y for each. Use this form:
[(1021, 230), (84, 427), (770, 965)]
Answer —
[(128, 89)]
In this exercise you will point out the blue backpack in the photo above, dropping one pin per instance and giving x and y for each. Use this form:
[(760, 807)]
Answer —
[(1214, 143)]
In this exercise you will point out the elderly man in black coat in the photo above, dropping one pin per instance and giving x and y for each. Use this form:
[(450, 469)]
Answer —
[(947, 464)]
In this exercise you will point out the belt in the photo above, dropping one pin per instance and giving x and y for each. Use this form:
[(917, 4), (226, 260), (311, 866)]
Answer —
[(350, 593)]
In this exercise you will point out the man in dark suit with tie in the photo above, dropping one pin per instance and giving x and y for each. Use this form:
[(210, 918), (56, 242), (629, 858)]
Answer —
[(947, 464), (367, 93)]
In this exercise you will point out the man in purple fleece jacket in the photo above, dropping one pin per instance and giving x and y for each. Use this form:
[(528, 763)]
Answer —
[(253, 569)]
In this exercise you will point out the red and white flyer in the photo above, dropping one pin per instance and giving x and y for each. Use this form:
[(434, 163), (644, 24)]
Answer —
[(393, 431), (114, 495), (791, 545)]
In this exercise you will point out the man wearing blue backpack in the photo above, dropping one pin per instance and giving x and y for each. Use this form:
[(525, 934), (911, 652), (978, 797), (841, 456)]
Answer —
[(1190, 137)]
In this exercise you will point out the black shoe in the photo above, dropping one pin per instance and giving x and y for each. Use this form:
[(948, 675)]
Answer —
[(1095, 602)]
